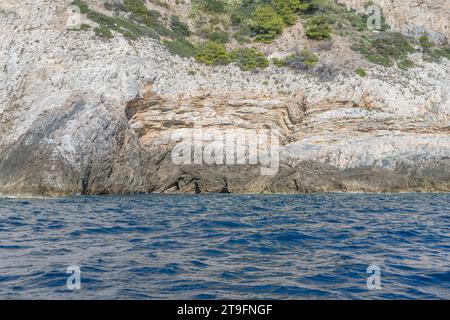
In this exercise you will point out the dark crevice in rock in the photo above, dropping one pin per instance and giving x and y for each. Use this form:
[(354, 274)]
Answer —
[(225, 187), (85, 181), (296, 185), (197, 187)]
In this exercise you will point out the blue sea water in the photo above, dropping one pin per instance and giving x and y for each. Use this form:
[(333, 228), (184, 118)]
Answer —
[(226, 246)]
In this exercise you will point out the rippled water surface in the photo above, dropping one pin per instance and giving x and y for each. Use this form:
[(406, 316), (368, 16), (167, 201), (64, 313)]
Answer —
[(222, 246)]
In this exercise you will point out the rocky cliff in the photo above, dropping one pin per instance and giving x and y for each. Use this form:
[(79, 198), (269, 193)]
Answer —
[(83, 115), (413, 16)]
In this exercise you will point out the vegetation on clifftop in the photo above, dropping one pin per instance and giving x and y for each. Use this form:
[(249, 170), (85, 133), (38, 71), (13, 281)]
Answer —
[(219, 32)]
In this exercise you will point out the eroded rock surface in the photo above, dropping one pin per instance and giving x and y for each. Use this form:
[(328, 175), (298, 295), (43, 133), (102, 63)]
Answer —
[(413, 17), (83, 116)]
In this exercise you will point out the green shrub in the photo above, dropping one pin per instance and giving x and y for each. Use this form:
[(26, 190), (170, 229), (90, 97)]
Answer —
[(309, 7), (288, 61), (150, 18), (127, 28), (317, 28), (103, 32), (385, 48), (266, 24), (337, 15), (393, 45), (425, 42), (242, 11), (136, 6), (129, 35), (357, 21), (163, 4), (241, 37), (444, 52), (304, 59), (308, 58), (249, 59), (279, 62), (212, 53), (430, 54), (216, 36), (361, 72), (180, 47), (115, 6), (179, 27), (287, 9), (84, 8), (214, 6), (405, 64), (437, 54)]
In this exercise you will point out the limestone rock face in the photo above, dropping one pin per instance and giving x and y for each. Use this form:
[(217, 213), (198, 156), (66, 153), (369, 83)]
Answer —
[(79, 115), (413, 17)]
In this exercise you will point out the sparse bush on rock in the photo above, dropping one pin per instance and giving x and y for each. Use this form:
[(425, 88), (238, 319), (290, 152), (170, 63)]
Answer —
[(317, 28), (180, 28), (405, 64), (213, 6), (430, 53), (308, 58), (436, 55), (212, 53), (249, 59), (103, 32), (385, 48), (361, 72), (180, 47), (302, 60), (425, 42), (216, 35)]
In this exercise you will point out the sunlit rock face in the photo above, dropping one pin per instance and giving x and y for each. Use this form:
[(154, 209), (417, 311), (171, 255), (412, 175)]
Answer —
[(79, 115), (413, 17)]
